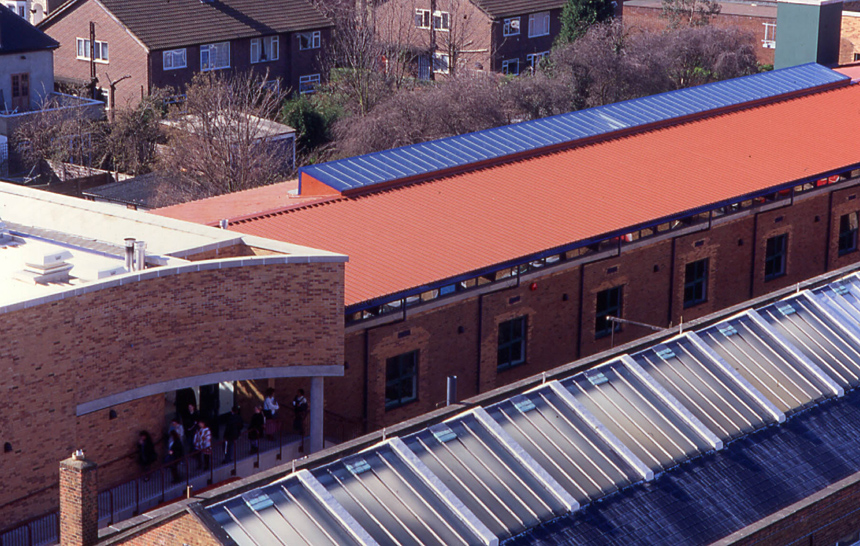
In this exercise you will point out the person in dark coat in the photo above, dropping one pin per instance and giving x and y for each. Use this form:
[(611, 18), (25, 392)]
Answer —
[(175, 452), (145, 451), (190, 419), (256, 429), (232, 429)]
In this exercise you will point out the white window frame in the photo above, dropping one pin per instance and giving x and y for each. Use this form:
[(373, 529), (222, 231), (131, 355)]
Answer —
[(212, 50), (422, 18), (506, 67), (312, 38), (441, 20), (535, 18), (441, 63), (534, 59), (174, 59), (18, 6), (308, 80), (769, 41), (83, 50), (511, 27), (270, 44)]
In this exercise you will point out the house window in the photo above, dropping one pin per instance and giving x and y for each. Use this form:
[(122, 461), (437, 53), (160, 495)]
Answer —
[(608, 305), (848, 233), (512, 343), (696, 283), (534, 59), (273, 86), (769, 40), (264, 49), (215, 56), (18, 7), (309, 40), (84, 50), (512, 26), (441, 63), (174, 58), (401, 380), (511, 67), (774, 257), (538, 24), (308, 84), (21, 91), (441, 19)]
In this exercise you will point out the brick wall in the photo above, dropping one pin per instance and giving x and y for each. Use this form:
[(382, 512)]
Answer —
[(78, 503), (126, 54), (109, 341), (461, 337), (184, 529), (850, 42), (518, 46)]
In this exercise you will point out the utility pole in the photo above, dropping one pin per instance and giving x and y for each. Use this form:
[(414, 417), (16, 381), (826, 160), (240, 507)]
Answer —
[(93, 78), (432, 40), (112, 98)]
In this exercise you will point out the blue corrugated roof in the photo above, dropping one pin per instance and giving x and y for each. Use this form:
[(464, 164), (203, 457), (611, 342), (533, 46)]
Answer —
[(457, 151)]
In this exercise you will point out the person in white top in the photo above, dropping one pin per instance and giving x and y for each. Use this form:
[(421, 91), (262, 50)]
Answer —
[(270, 406)]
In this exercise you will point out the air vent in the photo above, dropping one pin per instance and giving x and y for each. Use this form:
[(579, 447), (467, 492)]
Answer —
[(841, 289), (597, 378), (358, 466), (665, 353), (727, 330), (443, 433), (786, 309), (523, 404), (40, 268)]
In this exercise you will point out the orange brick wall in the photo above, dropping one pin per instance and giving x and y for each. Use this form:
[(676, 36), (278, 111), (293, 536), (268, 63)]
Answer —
[(185, 529), (106, 342)]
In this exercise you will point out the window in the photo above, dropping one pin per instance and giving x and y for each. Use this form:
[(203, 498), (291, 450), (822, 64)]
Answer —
[(273, 86), (19, 7), (174, 58), (264, 49), (441, 63), (774, 257), (696, 283), (512, 343), (309, 40), (608, 305), (441, 19), (215, 56), (534, 59), (84, 50), (21, 91), (401, 380), (538, 24), (769, 40), (848, 233), (512, 27), (308, 84), (511, 67), (857, 56)]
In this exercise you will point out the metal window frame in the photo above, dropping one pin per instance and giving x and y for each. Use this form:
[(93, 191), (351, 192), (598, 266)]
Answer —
[(413, 377), (698, 281)]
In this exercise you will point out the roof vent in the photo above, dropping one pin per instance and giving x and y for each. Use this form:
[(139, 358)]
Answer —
[(46, 268), (5, 236)]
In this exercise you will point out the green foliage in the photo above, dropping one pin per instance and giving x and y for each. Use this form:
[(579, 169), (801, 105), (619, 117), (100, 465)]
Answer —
[(578, 15), (312, 118), (764, 67)]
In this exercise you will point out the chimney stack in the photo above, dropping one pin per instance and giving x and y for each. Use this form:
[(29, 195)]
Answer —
[(79, 510), (807, 31)]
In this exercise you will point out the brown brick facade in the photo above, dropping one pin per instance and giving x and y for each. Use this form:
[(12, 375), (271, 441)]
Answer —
[(461, 337), (182, 529), (109, 341), (79, 511)]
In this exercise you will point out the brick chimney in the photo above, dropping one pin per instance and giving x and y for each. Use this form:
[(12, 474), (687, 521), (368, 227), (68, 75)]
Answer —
[(79, 511)]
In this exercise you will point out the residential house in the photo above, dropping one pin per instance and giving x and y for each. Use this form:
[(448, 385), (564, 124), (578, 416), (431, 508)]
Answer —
[(163, 44), (32, 10), (508, 36)]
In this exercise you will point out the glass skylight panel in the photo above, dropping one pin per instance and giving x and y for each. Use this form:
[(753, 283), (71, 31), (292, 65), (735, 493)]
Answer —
[(637, 416), (487, 478), (566, 446), (704, 388), (818, 337), (391, 502), (766, 364)]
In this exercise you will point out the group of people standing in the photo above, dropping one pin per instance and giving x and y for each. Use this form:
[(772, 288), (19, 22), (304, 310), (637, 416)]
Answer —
[(188, 432)]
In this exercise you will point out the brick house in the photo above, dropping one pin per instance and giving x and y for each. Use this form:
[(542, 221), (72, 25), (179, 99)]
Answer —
[(495, 35), (163, 44)]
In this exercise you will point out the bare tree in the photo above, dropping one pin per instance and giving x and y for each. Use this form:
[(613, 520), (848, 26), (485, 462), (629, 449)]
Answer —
[(224, 139), (131, 137), (690, 12)]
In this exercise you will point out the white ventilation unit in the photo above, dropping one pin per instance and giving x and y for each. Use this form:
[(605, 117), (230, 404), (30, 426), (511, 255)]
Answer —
[(97, 273), (41, 268)]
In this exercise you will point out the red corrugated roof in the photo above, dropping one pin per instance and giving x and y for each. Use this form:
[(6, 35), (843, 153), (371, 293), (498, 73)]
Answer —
[(410, 236)]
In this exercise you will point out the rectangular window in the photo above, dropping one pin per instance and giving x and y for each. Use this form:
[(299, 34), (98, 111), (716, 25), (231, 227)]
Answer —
[(441, 63), (21, 91), (512, 343), (308, 84), (441, 19), (309, 40), (264, 49), (696, 283), (534, 59), (83, 52), (215, 56), (512, 27), (769, 41), (848, 233), (511, 67), (857, 56), (538, 24), (774, 257), (608, 305), (174, 58), (19, 7), (401, 380)]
